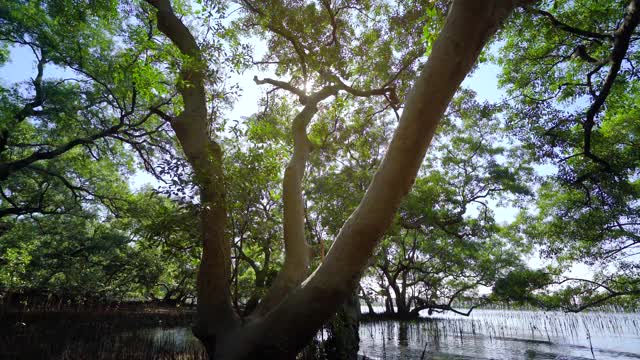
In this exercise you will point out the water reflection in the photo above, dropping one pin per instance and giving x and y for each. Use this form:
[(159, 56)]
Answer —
[(403, 339), (492, 335), (487, 334)]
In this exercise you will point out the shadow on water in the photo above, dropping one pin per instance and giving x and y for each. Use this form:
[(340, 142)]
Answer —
[(157, 334), (91, 343)]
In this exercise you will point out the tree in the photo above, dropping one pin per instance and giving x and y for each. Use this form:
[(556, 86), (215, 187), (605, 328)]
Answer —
[(446, 243), (575, 108), (64, 139), (165, 231), (75, 258), (285, 328), (319, 75), (69, 137)]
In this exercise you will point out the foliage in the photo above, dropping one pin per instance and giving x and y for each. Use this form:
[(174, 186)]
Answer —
[(71, 136), (447, 245), (575, 108), (518, 285), (75, 257)]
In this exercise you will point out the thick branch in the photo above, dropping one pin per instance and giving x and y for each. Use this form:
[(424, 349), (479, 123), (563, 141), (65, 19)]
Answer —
[(175, 29), (364, 93), (297, 252), (571, 29), (283, 85), (334, 25), (622, 38), (10, 167)]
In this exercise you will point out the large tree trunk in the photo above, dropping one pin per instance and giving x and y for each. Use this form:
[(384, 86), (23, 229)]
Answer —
[(215, 311), (285, 329)]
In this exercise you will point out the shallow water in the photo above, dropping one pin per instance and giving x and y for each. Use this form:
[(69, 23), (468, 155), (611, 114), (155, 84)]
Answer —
[(499, 334), (487, 334)]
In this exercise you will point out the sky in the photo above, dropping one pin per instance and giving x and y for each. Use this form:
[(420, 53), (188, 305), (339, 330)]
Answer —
[(484, 81)]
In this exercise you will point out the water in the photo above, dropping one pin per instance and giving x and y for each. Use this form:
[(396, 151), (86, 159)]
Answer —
[(499, 334), (488, 334)]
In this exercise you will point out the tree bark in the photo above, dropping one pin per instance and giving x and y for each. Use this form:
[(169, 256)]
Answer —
[(297, 251)]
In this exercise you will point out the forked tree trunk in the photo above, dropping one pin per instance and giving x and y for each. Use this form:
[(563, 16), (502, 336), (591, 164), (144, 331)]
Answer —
[(285, 329)]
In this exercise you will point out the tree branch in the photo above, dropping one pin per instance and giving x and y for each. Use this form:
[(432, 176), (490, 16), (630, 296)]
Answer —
[(7, 168), (276, 27), (571, 29), (283, 85), (622, 38)]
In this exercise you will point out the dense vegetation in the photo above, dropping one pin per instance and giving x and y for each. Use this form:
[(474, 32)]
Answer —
[(243, 210)]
